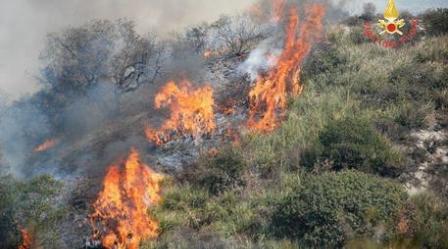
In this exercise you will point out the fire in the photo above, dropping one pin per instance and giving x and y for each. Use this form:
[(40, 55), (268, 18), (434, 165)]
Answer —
[(26, 239), (120, 218), (191, 111), (268, 98), (46, 145)]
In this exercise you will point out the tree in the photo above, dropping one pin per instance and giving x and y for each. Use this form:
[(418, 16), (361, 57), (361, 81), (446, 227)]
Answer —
[(436, 21), (238, 34), (197, 37), (78, 58)]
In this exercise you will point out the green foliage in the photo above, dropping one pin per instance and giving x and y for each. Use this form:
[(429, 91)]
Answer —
[(352, 143), (431, 221), (436, 21), (220, 172), (32, 205), (326, 210), (9, 231)]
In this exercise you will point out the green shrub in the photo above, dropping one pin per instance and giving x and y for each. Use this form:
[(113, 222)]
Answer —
[(220, 172), (30, 204), (353, 143), (9, 231), (326, 210), (436, 21), (431, 221)]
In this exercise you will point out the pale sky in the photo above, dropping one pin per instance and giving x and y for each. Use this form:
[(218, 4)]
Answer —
[(25, 23)]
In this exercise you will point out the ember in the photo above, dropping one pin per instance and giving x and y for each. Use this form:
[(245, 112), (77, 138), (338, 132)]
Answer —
[(26, 239), (48, 144)]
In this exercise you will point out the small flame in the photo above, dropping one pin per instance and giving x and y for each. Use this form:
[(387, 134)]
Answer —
[(120, 218), (46, 145), (191, 112), (26, 239), (269, 95), (391, 10)]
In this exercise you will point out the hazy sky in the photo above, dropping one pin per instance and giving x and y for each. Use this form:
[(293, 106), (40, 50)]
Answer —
[(25, 23)]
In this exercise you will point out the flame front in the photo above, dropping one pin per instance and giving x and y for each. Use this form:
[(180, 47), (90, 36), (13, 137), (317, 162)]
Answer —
[(268, 98), (191, 111), (120, 218), (46, 145), (26, 239)]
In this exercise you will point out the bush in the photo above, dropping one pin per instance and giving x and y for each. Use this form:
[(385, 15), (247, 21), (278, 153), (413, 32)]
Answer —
[(9, 231), (327, 210), (353, 143), (436, 21), (31, 205), (431, 221), (220, 172)]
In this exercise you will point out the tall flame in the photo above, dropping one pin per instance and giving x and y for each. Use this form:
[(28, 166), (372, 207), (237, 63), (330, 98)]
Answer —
[(268, 98), (391, 10), (26, 239), (191, 111), (120, 216)]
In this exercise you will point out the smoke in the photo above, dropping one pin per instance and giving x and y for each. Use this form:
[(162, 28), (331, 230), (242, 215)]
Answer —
[(20, 125), (25, 23)]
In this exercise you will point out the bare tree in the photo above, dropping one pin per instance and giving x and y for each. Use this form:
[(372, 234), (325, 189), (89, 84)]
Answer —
[(197, 37), (78, 58), (239, 34)]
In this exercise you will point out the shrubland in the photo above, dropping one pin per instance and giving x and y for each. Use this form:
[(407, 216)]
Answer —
[(329, 177)]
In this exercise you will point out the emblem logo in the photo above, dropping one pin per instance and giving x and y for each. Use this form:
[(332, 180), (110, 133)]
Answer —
[(390, 26)]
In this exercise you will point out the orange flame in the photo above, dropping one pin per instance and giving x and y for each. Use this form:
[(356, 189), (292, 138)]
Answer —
[(191, 111), (26, 239), (120, 218), (46, 145), (269, 95)]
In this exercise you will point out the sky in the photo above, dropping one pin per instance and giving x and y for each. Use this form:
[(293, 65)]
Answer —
[(24, 25)]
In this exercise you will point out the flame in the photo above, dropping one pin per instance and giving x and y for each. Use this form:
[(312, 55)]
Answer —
[(46, 145), (191, 111), (207, 53), (120, 218), (26, 239), (269, 95), (391, 10)]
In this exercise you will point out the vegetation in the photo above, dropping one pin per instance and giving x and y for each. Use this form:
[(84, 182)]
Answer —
[(329, 177)]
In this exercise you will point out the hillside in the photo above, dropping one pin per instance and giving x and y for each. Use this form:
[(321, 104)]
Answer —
[(173, 144)]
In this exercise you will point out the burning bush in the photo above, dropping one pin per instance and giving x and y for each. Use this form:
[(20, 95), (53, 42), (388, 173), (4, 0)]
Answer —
[(268, 98), (120, 218), (191, 112)]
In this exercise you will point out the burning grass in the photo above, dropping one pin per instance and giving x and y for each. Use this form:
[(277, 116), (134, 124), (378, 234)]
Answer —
[(268, 98), (120, 217), (191, 110), (26, 239)]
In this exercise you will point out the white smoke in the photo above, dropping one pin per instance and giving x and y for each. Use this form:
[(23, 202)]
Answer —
[(261, 59)]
